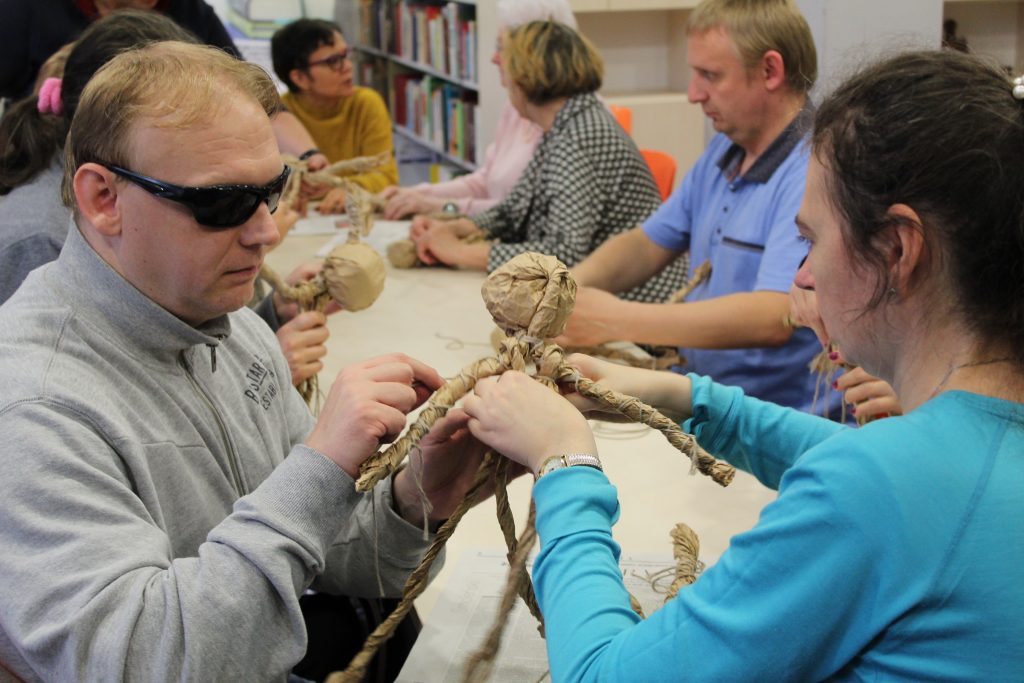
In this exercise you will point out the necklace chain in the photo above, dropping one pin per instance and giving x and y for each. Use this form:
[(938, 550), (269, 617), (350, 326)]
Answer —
[(972, 364)]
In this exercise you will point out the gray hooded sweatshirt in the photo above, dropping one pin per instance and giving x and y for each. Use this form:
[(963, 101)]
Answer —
[(151, 525)]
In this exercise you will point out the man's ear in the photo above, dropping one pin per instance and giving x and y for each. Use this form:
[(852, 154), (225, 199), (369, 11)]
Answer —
[(906, 248), (97, 198), (773, 70)]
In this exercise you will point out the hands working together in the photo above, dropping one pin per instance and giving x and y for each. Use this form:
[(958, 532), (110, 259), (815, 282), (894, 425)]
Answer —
[(512, 414), (443, 241), (404, 202)]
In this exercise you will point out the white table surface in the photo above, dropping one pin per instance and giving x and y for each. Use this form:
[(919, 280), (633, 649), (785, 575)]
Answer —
[(437, 316)]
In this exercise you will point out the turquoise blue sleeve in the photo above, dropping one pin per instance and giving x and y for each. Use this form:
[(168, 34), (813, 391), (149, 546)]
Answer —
[(784, 603), (756, 436)]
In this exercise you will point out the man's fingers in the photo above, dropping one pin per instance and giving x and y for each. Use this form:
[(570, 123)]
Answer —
[(446, 427)]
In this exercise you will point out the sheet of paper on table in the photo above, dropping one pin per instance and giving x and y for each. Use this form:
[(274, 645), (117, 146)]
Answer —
[(382, 234), (465, 610), (315, 224)]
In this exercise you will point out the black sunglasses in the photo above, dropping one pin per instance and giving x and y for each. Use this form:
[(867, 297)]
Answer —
[(334, 62), (216, 206)]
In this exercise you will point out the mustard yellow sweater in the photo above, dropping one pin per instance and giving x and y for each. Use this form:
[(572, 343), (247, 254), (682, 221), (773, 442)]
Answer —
[(359, 126)]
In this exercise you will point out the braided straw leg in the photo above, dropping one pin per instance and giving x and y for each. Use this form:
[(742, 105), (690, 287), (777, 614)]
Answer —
[(479, 665), (702, 272), (382, 464), (685, 549), (508, 528), (638, 411), (418, 580)]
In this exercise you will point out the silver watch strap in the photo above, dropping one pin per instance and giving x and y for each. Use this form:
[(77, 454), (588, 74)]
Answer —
[(558, 462)]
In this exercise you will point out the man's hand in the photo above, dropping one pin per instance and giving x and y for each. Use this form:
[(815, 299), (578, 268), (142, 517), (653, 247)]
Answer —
[(445, 464), (526, 421), (333, 202), (367, 406), (403, 202), (286, 310), (302, 341), (594, 319)]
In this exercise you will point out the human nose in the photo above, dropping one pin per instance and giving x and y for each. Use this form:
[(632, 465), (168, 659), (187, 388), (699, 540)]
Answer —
[(260, 229), (804, 279), (695, 91)]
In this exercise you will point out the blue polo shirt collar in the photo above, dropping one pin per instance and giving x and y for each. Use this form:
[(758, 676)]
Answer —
[(777, 152)]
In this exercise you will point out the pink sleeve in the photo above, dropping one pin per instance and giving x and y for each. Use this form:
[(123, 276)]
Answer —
[(515, 140)]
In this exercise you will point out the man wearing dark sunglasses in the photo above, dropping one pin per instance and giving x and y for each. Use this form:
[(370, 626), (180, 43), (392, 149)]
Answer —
[(168, 496), (312, 58)]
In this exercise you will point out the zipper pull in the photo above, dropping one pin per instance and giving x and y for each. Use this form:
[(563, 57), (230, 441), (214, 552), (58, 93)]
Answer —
[(213, 357)]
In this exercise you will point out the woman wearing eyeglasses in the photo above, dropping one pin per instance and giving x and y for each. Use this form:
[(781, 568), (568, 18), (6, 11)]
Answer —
[(345, 120)]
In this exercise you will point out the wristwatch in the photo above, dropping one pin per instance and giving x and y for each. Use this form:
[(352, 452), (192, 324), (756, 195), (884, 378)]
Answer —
[(557, 462), (450, 208), (312, 151)]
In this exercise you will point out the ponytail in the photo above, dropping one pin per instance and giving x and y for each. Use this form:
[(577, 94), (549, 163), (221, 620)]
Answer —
[(28, 142)]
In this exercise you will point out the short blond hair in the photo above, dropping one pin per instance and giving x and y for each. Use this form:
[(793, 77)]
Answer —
[(548, 60), (757, 26), (168, 84)]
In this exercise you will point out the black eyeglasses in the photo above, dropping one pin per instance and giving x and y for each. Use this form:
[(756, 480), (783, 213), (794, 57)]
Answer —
[(216, 206), (336, 61)]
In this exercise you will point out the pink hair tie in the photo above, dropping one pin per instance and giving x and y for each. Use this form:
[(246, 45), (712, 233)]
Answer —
[(49, 101)]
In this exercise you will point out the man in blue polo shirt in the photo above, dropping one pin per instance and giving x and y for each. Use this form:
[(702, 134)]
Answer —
[(752, 63)]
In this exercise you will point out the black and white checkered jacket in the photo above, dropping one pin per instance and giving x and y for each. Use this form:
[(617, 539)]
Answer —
[(585, 183)]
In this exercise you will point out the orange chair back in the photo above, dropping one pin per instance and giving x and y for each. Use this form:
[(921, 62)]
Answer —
[(663, 168), (624, 115)]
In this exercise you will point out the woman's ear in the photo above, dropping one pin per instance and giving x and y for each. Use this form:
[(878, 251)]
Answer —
[(906, 248), (300, 78), (96, 196)]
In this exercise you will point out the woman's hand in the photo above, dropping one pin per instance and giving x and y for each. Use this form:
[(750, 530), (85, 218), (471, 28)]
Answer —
[(403, 202), (447, 461), (870, 397), (668, 392), (333, 201), (525, 420), (803, 312)]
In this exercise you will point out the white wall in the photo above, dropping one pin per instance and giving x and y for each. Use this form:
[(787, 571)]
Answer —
[(849, 34)]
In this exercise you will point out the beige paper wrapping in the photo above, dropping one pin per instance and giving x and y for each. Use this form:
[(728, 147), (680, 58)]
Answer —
[(532, 292), (354, 273)]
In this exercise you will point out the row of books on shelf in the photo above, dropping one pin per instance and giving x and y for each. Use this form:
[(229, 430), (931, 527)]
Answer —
[(440, 113), (442, 37)]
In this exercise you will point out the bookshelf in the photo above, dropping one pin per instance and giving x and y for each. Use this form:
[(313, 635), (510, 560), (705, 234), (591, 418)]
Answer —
[(430, 59), (643, 43)]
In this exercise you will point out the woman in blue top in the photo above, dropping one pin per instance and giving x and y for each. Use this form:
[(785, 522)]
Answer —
[(894, 551)]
